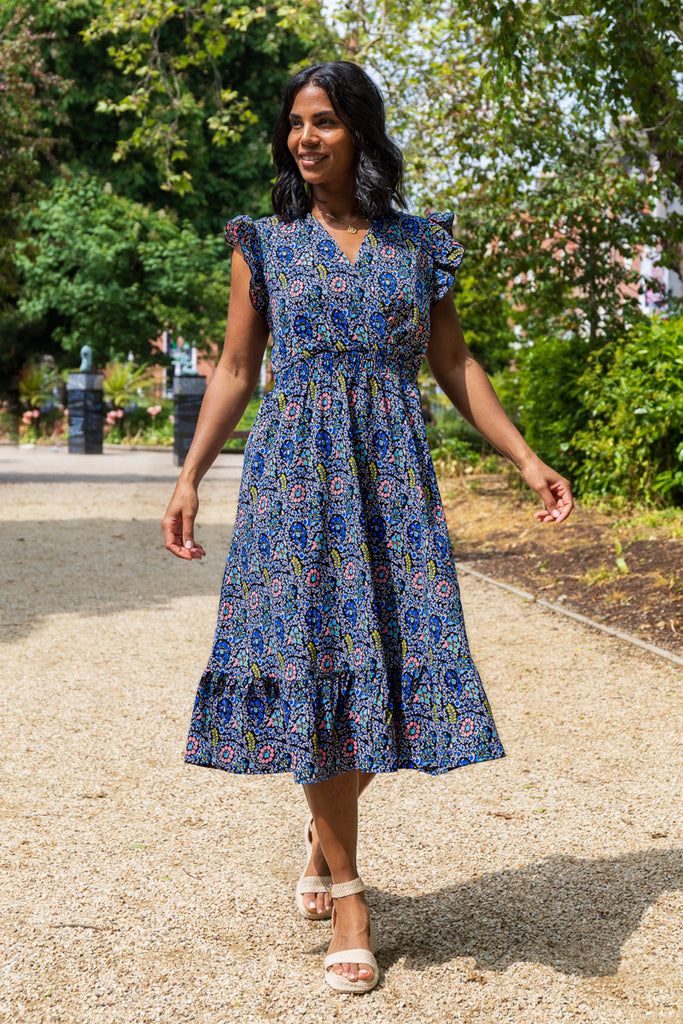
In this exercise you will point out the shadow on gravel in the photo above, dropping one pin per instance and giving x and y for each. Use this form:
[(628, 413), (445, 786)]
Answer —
[(570, 914), (94, 567)]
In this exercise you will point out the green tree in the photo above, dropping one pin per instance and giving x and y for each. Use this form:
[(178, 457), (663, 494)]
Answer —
[(544, 185), (28, 118), (101, 269), (201, 84)]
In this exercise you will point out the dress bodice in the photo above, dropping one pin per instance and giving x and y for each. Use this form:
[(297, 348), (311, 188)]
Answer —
[(319, 305)]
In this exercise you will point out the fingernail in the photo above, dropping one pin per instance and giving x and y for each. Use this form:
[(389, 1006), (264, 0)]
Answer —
[(555, 513), (188, 544)]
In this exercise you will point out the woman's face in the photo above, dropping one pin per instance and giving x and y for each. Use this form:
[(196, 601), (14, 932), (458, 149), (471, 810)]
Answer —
[(321, 144)]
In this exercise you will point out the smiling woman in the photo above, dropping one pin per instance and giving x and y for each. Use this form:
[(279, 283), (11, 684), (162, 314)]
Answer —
[(340, 649)]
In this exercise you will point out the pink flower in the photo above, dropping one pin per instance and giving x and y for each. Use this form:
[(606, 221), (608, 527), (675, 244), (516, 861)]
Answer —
[(154, 410), (336, 486), (171, 419), (313, 577), (467, 726)]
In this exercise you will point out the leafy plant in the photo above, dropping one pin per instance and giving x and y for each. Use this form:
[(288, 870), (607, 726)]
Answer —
[(126, 385), (632, 394), (37, 384)]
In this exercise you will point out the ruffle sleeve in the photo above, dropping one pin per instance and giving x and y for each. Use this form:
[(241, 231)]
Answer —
[(242, 231), (447, 254)]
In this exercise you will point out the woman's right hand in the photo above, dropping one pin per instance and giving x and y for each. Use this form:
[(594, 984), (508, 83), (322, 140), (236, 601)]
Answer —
[(178, 523)]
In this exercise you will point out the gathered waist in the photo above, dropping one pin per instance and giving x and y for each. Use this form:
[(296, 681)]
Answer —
[(346, 363)]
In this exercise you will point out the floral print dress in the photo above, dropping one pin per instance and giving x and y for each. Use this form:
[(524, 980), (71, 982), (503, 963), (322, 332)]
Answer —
[(340, 641)]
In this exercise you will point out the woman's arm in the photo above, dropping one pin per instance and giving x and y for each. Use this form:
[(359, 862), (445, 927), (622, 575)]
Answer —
[(226, 398), (460, 376)]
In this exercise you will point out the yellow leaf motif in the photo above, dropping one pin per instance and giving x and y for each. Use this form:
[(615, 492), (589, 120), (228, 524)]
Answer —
[(404, 648), (281, 660), (313, 389), (365, 552), (296, 565), (214, 737), (266, 576), (409, 562), (251, 741), (313, 651), (336, 558), (431, 569), (283, 482), (322, 472), (452, 714), (373, 471), (256, 670), (377, 639), (254, 492), (349, 643), (322, 270), (411, 476), (281, 401)]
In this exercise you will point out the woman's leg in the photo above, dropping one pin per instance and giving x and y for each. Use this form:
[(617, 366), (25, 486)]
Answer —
[(334, 806), (317, 865)]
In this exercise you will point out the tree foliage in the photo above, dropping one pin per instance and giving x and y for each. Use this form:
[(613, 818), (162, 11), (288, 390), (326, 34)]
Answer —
[(549, 185), (202, 83), (100, 269), (29, 116)]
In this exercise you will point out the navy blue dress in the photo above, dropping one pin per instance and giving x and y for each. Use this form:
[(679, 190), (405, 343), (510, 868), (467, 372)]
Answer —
[(340, 641)]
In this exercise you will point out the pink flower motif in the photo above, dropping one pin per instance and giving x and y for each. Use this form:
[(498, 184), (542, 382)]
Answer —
[(467, 726), (350, 747), (350, 571), (381, 574), (276, 587), (326, 663), (388, 251), (353, 397), (266, 754), (296, 288), (313, 577), (325, 401), (385, 403), (413, 730), (385, 488), (419, 581), (358, 657), (290, 672), (412, 662), (336, 487), (226, 754), (297, 493), (154, 410), (443, 588), (192, 745), (262, 503), (292, 411), (253, 599), (338, 284)]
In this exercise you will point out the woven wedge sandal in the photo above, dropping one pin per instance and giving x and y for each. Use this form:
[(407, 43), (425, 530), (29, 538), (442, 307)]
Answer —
[(351, 956), (311, 883)]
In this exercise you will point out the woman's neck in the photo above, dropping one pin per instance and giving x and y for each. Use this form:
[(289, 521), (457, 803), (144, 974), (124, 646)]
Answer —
[(339, 203)]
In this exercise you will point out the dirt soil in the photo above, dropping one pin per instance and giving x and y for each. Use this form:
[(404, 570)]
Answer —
[(493, 531)]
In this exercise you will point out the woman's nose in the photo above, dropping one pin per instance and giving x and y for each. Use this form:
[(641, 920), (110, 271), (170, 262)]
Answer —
[(309, 133)]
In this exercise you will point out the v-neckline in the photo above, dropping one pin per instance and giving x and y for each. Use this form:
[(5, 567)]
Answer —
[(355, 264)]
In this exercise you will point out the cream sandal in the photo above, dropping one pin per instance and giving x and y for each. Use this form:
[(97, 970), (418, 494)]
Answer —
[(311, 883), (351, 956)]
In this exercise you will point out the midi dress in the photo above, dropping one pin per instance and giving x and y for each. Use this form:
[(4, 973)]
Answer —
[(340, 641)]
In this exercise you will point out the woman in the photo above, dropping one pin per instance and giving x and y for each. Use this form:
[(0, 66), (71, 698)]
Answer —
[(340, 649)]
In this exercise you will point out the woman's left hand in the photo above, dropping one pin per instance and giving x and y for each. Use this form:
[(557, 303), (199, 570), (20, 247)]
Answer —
[(555, 491)]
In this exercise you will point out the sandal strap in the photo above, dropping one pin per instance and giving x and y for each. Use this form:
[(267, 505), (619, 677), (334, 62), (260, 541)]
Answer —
[(313, 883), (351, 956), (347, 889)]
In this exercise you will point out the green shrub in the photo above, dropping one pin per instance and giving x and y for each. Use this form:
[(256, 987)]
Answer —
[(632, 441), (551, 407)]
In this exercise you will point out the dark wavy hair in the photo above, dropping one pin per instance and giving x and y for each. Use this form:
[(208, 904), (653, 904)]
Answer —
[(359, 105)]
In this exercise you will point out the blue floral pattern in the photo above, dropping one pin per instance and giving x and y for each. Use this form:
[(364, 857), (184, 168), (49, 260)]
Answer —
[(340, 641)]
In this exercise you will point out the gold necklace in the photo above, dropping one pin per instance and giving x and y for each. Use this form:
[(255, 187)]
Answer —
[(351, 228)]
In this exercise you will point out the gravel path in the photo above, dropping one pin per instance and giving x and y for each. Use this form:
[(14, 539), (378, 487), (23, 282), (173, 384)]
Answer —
[(541, 889)]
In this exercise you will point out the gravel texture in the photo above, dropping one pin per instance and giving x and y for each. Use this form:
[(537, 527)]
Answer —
[(541, 889)]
